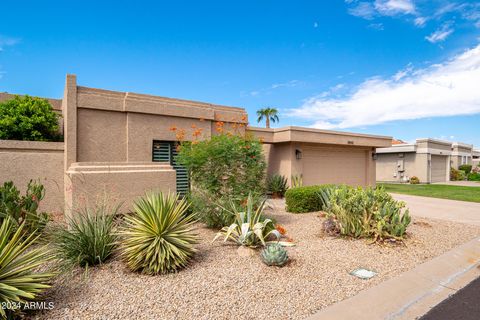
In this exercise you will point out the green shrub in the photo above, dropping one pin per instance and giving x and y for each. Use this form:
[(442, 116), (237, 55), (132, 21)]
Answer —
[(474, 176), (414, 180), (250, 227), (277, 185), (21, 281), (211, 211), (88, 239), (158, 238), (23, 209), (369, 212), (457, 175), (223, 167), (27, 118), (467, 168), (304, 199)]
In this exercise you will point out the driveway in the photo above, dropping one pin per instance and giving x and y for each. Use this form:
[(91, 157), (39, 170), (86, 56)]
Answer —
[(451, 210)]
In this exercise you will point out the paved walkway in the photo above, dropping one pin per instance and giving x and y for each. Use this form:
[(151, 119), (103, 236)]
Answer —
[(451, 210), (461, 183)]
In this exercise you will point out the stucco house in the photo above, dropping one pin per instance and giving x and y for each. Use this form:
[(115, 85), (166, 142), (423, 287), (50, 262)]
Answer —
[(122, 143), (428, 159)]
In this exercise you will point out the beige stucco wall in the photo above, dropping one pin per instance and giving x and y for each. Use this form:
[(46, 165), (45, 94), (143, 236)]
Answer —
[(414, 165), (118, 182), (22, 161), (322, 163)]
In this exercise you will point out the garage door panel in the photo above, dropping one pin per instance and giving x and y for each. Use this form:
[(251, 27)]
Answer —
[(338, 166), (438, 168)]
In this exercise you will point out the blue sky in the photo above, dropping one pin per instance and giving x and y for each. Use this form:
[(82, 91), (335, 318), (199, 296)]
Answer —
[(403, 68)]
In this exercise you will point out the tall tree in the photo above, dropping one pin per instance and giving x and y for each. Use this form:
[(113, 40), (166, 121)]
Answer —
[(269, 114)]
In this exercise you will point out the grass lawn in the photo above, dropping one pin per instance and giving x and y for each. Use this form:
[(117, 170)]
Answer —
[(471, 194)]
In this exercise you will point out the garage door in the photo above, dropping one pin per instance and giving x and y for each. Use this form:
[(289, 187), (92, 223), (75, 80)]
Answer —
[(439, 168), (334, 165)]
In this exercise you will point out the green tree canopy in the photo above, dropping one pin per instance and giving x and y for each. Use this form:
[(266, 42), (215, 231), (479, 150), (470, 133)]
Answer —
[(28, 118)]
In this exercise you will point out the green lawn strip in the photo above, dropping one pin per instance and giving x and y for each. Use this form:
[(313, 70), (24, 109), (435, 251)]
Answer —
[(471, 194)]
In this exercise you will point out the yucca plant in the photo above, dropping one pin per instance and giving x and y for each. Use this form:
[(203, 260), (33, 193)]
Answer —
[(88, 238), (277, 185), (250, 229), (296, 180), (158, 237), (20, 281)]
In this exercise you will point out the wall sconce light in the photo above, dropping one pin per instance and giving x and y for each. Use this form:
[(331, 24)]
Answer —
[(298, 154), (374, 156)]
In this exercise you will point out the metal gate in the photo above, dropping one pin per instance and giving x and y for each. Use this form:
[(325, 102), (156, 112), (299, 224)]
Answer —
[(166, 151)]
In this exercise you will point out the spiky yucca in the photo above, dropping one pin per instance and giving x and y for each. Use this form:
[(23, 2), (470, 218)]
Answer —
[(158, 237), (19, 281), (274, 255)]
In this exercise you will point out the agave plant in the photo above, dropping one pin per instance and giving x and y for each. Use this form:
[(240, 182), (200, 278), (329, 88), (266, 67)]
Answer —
[(277, 185), (19, 281), (250, 227), (158, 238), (274, 255), (88, 239)]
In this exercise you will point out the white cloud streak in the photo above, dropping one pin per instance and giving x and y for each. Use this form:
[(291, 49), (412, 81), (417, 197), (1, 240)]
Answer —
[(7, 42), (440, 34), (446, 89)]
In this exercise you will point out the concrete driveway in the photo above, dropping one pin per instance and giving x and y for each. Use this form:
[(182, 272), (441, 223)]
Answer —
[(451, 210)]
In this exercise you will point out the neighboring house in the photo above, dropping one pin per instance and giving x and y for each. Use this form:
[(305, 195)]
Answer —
[(123, 144), (461, 154), (476, 157), (427, 159)]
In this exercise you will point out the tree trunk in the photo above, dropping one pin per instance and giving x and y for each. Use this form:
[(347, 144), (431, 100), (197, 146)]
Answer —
[(268, 122)]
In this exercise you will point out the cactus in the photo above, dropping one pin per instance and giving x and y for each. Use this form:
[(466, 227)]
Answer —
[(274, 255)]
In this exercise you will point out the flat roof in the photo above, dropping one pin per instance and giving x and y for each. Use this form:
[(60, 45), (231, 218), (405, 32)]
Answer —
[(320, 136)]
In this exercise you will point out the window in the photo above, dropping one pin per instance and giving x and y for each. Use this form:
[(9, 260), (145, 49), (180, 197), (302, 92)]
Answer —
[(166, 151)]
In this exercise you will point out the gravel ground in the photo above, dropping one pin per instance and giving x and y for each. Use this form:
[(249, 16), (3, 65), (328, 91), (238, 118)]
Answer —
[(220, 284)]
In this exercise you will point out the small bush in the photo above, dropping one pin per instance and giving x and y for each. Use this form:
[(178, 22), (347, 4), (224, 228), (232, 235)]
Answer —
[(21, 281), (158, 238), (474, 176), (23, 209), (211, 211), (277, 185), (414, 180), (467, 168), (27, 118), (369, 212), (88, 239), (304, 199), (457, 175)]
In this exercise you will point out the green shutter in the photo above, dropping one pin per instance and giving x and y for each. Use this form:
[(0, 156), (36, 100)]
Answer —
[(166, 151)]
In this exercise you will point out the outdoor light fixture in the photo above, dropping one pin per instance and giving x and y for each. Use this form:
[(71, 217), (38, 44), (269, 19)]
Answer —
[(298, 154), (374, 156)]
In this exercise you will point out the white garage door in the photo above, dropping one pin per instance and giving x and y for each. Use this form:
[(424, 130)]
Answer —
[(334, 165), (439, 168)]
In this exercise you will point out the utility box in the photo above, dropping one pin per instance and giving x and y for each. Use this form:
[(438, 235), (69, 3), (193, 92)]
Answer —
[(400, 165)]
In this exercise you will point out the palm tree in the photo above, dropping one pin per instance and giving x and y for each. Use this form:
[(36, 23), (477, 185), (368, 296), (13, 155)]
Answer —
[(268, 114)]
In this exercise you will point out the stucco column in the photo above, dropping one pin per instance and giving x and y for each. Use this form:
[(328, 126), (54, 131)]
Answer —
[(69, 112)]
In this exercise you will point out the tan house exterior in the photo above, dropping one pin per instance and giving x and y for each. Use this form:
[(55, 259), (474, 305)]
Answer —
[(462, 153), (476, 157), (113, 143), (427, 159)]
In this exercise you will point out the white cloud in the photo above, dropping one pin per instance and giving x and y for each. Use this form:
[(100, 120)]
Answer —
[(446, 89), (440, 34), (363, 10), (7, 42), (394, 7), (376, 26), (289, 84), (420, 21)]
